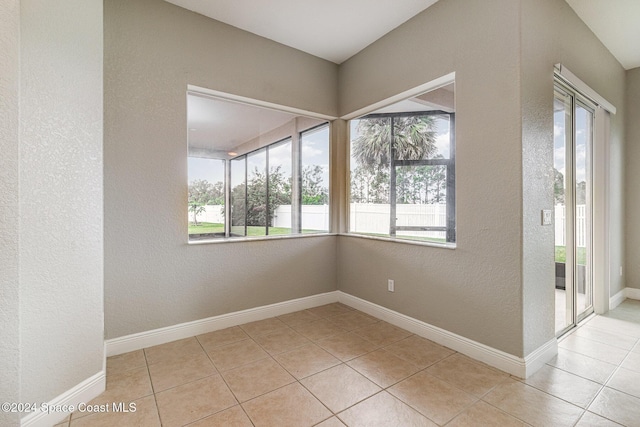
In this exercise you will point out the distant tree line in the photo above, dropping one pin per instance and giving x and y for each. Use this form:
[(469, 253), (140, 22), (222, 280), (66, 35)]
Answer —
[(253, 210)]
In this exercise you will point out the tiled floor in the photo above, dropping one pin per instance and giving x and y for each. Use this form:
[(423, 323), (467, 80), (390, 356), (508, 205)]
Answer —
[(333, 366)]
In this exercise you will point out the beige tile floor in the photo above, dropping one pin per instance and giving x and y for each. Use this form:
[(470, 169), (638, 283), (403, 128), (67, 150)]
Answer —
[(333, 366)]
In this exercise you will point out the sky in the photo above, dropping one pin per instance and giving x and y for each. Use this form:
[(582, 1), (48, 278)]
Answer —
[(315, 151), (583, 141), (442, 136)]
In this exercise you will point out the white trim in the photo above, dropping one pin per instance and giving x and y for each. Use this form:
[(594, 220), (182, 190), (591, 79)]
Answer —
[(539, 357), (506, 362), (601, 246), (583, 88), (434, 84), (84, 392), (189, 329), (632, 293), (617, 299), (201, 91)]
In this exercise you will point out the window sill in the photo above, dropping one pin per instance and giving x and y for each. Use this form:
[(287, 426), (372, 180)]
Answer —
[(257, 238), (404, 241)]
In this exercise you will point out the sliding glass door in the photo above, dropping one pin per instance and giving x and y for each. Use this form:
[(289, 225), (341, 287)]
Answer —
[(573, 152)]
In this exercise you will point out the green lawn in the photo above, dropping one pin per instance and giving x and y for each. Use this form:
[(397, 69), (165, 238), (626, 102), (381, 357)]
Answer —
[(210, 228), (561, 255)]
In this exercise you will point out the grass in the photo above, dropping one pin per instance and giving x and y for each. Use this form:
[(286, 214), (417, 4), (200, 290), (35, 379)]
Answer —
[(215, 228), (561, 255)]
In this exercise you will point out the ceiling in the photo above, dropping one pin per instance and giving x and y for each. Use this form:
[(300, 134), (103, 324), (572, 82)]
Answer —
[(220, 125), (331, 29), (338, 29), (616, 23)]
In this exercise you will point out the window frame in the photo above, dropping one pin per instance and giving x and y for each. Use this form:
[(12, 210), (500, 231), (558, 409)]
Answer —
[(449, 163), (296, 175)]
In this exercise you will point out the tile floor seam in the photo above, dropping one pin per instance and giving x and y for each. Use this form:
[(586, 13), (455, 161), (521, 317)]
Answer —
[(223, 380), (509, 413), (477, 399), (333, 414), (155, 398), (337, 414), (602, 385)]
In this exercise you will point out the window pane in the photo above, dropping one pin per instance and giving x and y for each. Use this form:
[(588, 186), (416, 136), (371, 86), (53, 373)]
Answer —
[(403, 169), (262, 149), (421, 195), (206, 198), (442, 127), (314, 154), (280, 162), (562, 130), (583, 221), (257, 193), (418, 137), (238, 196)]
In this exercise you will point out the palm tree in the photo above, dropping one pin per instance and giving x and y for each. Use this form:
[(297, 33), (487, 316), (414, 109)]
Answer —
[(414, 139)]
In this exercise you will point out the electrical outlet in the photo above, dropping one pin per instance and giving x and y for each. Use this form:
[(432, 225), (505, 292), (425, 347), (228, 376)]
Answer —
[(391, 285), (547, 217)]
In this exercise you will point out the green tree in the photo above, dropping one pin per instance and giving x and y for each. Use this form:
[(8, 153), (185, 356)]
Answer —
[(196, 209), (254, 211), (558, 187), (313, 190), (202, 193), (414, 139)]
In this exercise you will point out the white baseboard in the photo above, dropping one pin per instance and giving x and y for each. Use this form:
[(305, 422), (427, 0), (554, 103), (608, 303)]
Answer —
[(632, 293), (617, 299), (514, 365), (84, 392), (189, 329), (539, 357)]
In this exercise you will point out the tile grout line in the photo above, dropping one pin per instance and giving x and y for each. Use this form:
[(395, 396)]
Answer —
[(225, 382), (602, 385)]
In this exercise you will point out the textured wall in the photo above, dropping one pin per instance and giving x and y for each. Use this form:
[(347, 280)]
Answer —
[(61, 253), (632, 179), (9, 239), (474, 290), (569, 41), (153, 278)]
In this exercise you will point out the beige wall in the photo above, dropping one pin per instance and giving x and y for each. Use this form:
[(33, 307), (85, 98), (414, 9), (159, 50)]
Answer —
[(632, 179), (153, 278), (9, 202), (60, 199), (474, 290), (566, 40)]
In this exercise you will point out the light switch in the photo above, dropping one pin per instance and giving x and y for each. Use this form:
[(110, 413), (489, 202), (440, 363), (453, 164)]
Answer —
[(547, 217)]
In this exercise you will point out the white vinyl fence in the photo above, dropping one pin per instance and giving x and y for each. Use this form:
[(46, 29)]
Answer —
[(374, 218), (314, 217), (581, 225)]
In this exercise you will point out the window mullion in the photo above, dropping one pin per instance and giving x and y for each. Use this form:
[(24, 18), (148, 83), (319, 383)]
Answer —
[(392, 181)]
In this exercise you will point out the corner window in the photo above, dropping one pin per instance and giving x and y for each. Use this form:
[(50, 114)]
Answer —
[(402, 180), (255, 171)]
